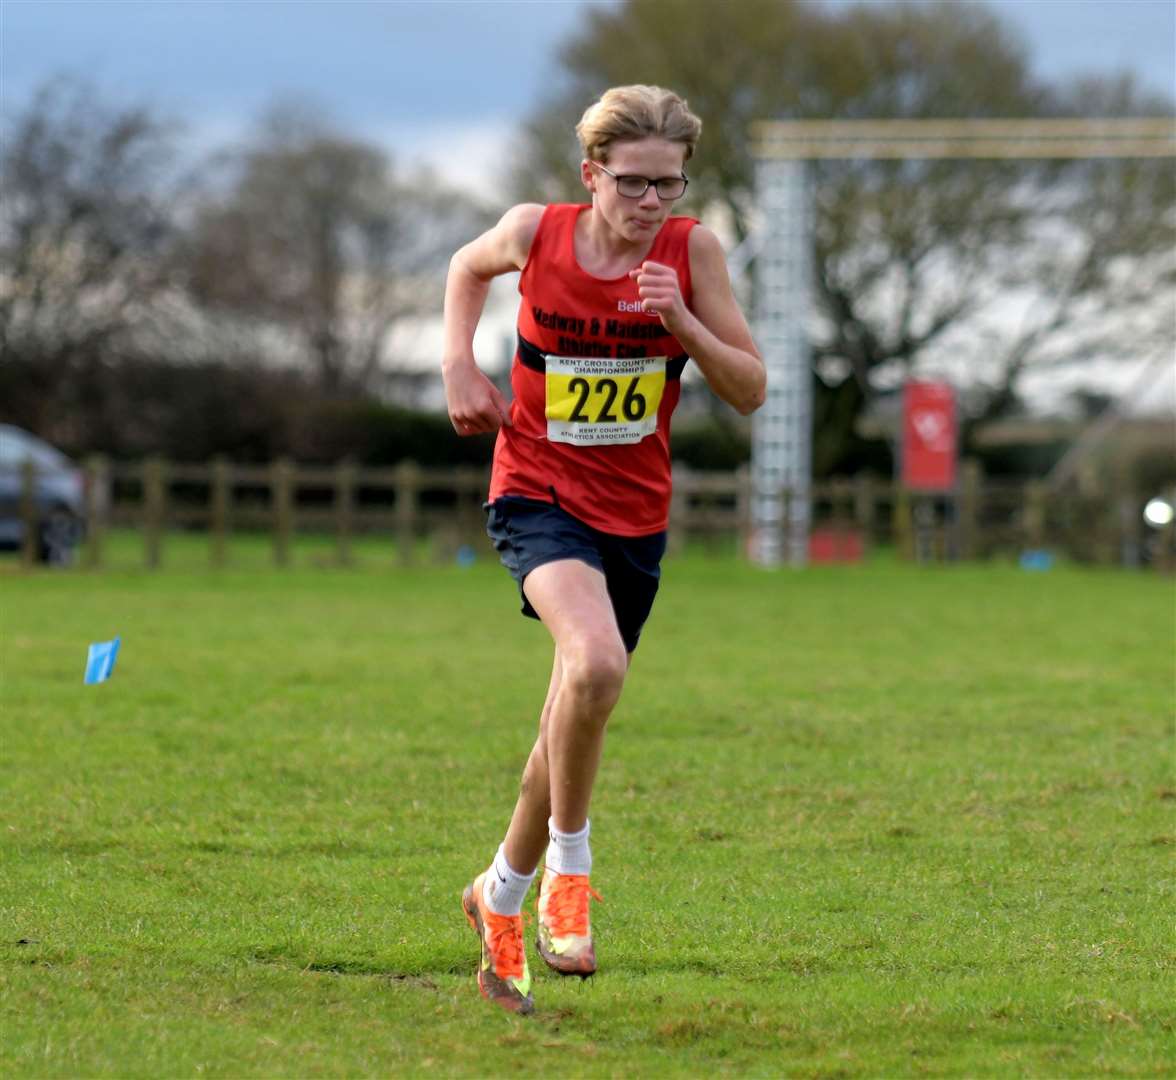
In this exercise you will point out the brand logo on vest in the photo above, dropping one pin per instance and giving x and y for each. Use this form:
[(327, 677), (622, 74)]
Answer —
[(635, 307)]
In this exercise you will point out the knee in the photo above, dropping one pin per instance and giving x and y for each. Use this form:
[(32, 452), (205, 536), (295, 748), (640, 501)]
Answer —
[(595, 673)]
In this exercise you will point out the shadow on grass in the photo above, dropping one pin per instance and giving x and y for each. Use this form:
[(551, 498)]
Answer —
[(334, 850), (792, 963), (74, 847), (419, 977)]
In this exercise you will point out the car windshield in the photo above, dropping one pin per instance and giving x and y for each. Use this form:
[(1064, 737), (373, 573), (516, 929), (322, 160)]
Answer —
[(17, 446)]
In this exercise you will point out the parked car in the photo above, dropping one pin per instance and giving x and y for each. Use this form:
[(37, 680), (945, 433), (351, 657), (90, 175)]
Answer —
[(60, 494)]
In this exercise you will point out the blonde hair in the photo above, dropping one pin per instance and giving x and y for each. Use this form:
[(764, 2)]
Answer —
[(627, 113)]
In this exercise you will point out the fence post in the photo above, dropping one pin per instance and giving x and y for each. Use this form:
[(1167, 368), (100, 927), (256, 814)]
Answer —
[(743, 511), (1126, 504), (469, 507), (841, 512), (864, 505), (679, 507), (968, 514), (1092, 520), (1165, 548), (445, 538), (902, 526), (154, 510), (1034, 514), (1104, 523), (923, 526), (1129, 529), (31, 541), (345, 474), (282, 488), (221, 495), (407, 482), (97, 501)]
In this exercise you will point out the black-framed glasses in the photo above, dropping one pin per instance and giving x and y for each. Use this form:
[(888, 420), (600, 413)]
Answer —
[(668, 188)]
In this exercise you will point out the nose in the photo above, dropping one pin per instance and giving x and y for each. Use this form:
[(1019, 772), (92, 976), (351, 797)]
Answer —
[(649, 201)]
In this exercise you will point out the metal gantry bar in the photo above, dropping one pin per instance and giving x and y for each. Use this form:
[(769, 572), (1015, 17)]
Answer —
[(1008, 139)]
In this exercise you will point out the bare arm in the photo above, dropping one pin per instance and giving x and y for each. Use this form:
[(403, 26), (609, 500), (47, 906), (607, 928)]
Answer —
[(715, 333), (475, 404)]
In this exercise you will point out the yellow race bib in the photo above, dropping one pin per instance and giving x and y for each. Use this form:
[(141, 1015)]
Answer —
[(601, 401)]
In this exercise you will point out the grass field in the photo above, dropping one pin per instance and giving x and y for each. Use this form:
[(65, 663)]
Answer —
[(851, 822)]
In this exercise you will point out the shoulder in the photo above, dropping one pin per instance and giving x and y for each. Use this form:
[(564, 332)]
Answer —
[(708, 260), (517, 228), (705, 245), (523, 216)]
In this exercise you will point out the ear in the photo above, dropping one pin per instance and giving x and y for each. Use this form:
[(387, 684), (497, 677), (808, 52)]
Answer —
[(588, 175)]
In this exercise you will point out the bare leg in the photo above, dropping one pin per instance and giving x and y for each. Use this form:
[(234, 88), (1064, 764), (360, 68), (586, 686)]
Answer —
[(527, 836), (572, 600)]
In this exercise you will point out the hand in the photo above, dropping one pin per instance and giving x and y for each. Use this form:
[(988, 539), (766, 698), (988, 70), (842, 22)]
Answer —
[(657, 285), (476, 406)]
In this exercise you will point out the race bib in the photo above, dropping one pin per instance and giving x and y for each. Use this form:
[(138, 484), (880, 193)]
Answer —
[(595, 401)]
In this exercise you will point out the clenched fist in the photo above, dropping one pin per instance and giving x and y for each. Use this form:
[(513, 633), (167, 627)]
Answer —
[(657, 285), (476, 406)]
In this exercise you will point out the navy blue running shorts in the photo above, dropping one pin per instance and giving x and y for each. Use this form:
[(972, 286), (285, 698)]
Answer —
[(528, 533)]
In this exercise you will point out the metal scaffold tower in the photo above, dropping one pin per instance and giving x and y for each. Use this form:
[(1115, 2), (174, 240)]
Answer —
[(781, 469), (782, 429)]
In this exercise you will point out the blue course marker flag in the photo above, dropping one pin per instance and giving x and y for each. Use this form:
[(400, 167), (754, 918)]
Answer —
[(100, 662)]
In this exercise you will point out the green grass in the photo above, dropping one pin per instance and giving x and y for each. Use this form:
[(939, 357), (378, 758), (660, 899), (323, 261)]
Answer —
[(851, 822)]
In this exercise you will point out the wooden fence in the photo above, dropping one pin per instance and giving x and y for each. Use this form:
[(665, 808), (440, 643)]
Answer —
[(409, 504)]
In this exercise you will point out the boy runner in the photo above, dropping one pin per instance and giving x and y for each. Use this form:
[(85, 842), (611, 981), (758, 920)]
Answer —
[(616, 297)]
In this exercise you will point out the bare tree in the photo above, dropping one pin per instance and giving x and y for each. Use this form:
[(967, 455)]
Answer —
[(317, 237), (908, 255), (735, 62), (85, 231), (1097, 280)]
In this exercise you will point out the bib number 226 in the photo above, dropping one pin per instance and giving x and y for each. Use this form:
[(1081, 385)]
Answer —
[(599, 401), (632, 404)]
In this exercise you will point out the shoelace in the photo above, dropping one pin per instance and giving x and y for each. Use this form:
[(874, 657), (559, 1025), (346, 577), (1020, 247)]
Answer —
[(567, 904), (506, 943)]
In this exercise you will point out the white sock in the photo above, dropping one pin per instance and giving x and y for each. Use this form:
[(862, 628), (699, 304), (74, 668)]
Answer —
[(503, 888), (568, 853)]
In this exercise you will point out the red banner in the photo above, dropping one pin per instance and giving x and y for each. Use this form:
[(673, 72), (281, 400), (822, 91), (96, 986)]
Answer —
[(928, 436)]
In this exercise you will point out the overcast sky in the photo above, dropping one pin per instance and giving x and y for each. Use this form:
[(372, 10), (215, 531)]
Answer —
[(436, 80)]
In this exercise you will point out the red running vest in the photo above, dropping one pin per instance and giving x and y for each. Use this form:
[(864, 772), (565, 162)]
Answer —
[(595, 381)]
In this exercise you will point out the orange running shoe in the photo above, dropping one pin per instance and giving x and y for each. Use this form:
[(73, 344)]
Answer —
[(503, 976), (565, 936)]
